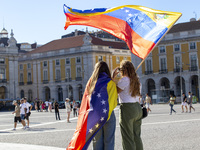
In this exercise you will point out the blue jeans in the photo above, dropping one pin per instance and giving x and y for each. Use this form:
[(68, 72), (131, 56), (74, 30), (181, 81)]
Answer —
[(105, 138), (171, 108)]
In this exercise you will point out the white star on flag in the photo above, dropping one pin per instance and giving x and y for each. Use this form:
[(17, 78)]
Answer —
[(97, 125), (91, 130), (98, 95), (104, 110), (126, 11), (102, 118), (93, 92), (103, 102), (130, 15)]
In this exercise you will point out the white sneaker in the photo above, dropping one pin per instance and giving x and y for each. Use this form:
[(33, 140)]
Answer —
[(14, 129)]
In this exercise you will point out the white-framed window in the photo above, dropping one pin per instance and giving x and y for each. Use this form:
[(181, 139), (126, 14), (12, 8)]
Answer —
[(78, 60), (148, 65), (100, 58), (68, 74), (162, 49), (2, 73), (67, 61), (21, 77), (163, 64), (117, 60), (57, 62), (29, 77), (177, 61), (193, 60), (44, 63), (125, 58), (21, 67), (58, 77), (192, 45), (176, 47), (78, 72), (2, 61), (45, 75), (29, 65)]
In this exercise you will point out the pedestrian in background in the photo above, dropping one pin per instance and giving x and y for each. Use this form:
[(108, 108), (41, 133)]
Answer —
[(171, 103), (74, 105), (130, 119), (56, 107), (50, 106), (141, 101), (148, 102), (184, 103), (22, 113), (189, 101), (46, 105), (16, 113), (28, 111), (68, 108)]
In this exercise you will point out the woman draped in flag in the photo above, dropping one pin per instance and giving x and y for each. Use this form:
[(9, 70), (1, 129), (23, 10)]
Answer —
[(130, 110), (96, 118)]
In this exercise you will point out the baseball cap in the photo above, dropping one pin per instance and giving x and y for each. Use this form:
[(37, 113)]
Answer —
[(14, 102)]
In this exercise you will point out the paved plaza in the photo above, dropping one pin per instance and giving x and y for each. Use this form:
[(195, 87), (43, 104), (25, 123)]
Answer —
[(160, 131)]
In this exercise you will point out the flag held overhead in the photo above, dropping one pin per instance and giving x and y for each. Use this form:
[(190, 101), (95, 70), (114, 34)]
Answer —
[(140, 27)]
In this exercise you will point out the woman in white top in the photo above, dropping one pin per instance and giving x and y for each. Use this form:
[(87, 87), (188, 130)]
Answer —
[(68, 108), (130, 117)]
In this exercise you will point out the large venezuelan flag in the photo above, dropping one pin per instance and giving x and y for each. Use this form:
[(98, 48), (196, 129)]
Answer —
[(140, 27), (94, 112)]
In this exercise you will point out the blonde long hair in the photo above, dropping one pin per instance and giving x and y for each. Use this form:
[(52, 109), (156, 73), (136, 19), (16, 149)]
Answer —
[(100, 67), (128, 70)]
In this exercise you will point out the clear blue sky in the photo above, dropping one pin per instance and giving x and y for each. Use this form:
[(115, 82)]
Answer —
[(42, 21)]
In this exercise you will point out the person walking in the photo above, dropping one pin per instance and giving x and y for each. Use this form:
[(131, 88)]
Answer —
[(130, 118), (50, 106), (16, 113), (22, 113), (74, 105), (56, 107), (141, 101), (46, 105), (148, 102), (189, 101), (28, 111), (68, 108), (171, 103), (184, 103)]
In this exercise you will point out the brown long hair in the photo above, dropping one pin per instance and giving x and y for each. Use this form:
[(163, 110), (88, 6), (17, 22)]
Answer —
[(100, 67), (128, 69)]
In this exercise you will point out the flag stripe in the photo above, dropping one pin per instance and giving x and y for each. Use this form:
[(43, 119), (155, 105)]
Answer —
[(115, 27)]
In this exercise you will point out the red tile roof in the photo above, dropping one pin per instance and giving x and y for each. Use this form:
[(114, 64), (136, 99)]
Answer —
[(187, 26), (75, 41)]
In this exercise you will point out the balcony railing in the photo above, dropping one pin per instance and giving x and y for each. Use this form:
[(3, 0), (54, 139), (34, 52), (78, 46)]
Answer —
[(163, 71), (68, 79), (21, 83), (29, 82), (57, 80), (78, 78), (178, 69), (148, 72), (3, 80), (193, 68), (45, 81)]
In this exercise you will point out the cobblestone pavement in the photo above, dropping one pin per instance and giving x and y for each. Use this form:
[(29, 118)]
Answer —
[(160, 131)]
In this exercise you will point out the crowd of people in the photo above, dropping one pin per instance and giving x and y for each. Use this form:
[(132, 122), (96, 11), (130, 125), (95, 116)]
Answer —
[(130, 100)]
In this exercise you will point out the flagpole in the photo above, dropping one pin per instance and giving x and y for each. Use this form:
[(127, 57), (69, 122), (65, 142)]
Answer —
[(156, 44)]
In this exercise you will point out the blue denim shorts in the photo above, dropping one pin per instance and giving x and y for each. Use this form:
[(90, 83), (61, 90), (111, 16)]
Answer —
[(22, 116)]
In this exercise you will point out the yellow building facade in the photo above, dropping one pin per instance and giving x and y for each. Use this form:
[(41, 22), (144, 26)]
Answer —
[(173, 66), (61, 68)]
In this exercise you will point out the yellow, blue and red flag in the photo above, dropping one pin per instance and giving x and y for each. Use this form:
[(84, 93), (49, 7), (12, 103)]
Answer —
[(140, 27), (94, 112)]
